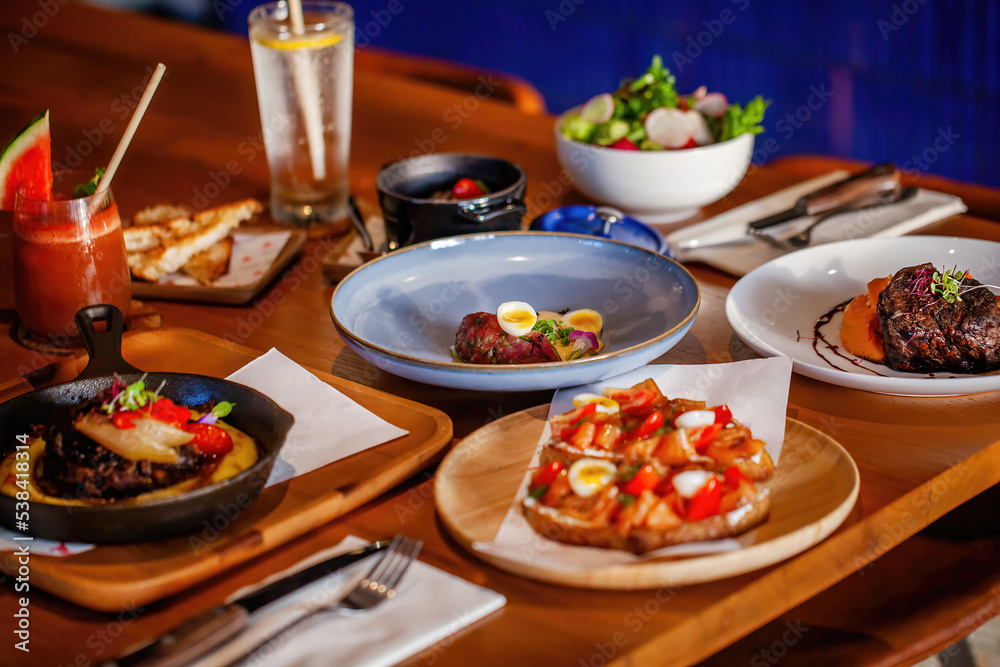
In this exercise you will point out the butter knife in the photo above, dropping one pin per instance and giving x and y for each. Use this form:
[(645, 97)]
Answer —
[(200, 635)]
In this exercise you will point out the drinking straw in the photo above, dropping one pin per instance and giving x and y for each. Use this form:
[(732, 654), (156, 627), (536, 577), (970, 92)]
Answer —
[(116, 158), (307, 88)]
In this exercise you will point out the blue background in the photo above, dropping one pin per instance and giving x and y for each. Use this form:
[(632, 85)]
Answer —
[(905, 81)]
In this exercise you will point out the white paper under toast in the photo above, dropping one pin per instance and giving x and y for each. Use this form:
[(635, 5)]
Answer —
[(756, 391), (253, 255)]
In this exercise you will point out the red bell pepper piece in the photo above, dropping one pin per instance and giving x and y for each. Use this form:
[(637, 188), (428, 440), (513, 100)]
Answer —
[(723, 415), (547, 474), (645, 478), (653, 421), (706, 502)]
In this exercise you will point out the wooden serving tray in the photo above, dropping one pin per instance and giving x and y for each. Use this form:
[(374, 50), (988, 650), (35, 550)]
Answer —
[(116, 577), (816, 486)]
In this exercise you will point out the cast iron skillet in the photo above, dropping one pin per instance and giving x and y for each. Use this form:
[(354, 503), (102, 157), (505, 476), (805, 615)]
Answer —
[(254, 413)]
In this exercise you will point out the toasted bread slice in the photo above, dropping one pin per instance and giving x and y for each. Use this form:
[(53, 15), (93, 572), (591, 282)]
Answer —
[(180, 239), (211, 263), (157, 213)]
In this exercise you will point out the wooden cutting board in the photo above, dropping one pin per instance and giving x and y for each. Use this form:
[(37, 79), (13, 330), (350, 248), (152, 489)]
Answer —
[(116, 577), (816, 484)]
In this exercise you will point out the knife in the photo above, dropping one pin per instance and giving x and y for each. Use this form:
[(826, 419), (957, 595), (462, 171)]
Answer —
[(198, 636), (863, 185), (871, 182)]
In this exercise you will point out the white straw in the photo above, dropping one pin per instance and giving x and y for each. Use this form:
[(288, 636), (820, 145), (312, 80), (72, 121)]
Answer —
[(306, 86), (116, 158)]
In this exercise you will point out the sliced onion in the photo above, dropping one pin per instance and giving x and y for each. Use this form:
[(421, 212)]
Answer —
[(584, 340), (668, 127), (150, 440), (712, 104)]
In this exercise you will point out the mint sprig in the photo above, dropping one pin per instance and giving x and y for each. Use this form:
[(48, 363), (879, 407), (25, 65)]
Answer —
[(90, 187)]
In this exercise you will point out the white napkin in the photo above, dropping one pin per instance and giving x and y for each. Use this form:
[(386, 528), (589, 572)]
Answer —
[(742, 253), (253, 255), (328, 427), (755, 390), (429, 606)]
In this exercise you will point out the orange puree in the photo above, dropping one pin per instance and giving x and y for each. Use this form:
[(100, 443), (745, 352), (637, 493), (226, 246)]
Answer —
[(861, 333)]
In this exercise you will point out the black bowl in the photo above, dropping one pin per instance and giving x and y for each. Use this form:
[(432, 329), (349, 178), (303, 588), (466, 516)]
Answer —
[(406, 188)]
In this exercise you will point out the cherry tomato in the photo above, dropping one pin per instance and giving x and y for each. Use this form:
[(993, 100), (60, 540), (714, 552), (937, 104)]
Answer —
[(653, 421), (734, 476), (165, 410), (723, 415), (123, 420), (466, 188), (625, 144), (631, 400), (209, 438), (645, 478), (706, 502), (702, 436), (547, 474)]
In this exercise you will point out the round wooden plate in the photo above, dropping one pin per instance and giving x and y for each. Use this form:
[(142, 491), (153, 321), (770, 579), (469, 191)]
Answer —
[(816, 485)]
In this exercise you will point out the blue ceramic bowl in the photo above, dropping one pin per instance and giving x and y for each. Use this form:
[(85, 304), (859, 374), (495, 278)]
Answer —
[(400, 312), (603, 221)]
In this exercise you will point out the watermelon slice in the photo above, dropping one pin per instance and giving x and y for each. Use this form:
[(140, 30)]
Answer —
[(28, 157)]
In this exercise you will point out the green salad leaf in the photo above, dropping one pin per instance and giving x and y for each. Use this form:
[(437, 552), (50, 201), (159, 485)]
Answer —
[(90, 187)]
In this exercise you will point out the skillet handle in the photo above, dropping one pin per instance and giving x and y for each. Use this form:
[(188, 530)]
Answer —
[(104, 348)]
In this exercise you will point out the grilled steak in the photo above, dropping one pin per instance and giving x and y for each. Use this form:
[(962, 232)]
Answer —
[(480, 340), (925, 333)]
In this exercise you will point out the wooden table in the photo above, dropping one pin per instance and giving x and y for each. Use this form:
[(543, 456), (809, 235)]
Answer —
[(903, 592)]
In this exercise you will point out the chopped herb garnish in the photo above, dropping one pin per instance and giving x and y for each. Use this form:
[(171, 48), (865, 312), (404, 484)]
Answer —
[(625, 499), (132, 397), (538, 491), (90, 187)]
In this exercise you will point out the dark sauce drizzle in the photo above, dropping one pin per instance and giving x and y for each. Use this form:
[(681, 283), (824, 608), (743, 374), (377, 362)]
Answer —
[(819, 336)]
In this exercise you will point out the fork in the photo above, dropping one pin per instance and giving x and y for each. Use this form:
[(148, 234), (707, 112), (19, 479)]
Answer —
[(378, 585), (803, 238)]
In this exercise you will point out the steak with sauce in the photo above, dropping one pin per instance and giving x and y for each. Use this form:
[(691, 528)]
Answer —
[(924, 333), (480, 340)]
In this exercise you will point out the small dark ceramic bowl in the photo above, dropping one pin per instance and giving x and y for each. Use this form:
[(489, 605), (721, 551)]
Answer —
[(406, 188)]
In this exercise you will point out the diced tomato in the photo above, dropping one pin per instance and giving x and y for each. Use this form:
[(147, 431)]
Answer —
[(631, 400), (702, 436), (123, 420), (166, 411), (564, 426), (734, 476), (723, 415), (706, 502), (209, 438), (466, 188), (548, 473), (584, 436), (653, 421), (646, 478)]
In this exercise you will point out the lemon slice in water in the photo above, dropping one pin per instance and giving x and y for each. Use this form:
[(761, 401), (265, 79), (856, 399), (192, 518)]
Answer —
[(299, 42)]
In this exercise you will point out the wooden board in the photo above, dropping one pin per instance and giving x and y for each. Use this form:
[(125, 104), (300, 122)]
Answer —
[(112, 578), (227, 295), (816, 486)]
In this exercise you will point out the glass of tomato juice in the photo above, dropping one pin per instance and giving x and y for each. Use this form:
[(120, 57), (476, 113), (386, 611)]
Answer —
[(69, 252)]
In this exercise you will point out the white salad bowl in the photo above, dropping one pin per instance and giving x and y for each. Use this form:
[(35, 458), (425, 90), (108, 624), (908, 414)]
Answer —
[(401, 311), (655, 186)]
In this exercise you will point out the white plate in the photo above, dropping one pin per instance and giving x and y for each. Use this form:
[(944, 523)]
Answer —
[(775, 307)]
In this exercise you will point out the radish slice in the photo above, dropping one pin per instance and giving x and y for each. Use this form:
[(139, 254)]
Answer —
[(699, 92), (598, 109), (712, 104), (668, 127), (700, 131)]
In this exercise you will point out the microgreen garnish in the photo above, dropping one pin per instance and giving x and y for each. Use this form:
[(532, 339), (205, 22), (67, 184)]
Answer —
[(222, 409), (90, 187), (947, 284), (132, 397), (555, 331)]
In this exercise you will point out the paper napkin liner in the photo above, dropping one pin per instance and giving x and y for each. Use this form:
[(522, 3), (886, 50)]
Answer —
[(429, 606), (745, 253), (328, 427), (756, 391)]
